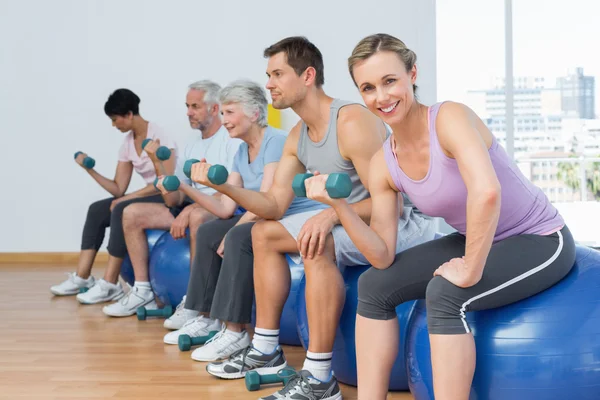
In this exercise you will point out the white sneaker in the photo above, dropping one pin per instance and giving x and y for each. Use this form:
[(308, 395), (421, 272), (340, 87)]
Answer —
[(72, 285), (221, 346), (196, 327), (181, 316), (101, 292), (129, 304)]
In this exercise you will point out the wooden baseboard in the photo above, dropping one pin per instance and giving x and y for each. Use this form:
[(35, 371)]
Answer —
[(47, 258)]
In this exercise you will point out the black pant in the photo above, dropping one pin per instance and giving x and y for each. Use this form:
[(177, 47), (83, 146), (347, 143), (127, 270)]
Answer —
[(100, 217), (223, 286), (516, 268)]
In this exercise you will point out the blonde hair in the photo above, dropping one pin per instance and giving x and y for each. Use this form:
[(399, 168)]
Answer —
[(381, 42)]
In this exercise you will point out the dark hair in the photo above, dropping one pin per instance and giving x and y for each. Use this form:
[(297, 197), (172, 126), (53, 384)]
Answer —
[(300, 54), (121, 102)]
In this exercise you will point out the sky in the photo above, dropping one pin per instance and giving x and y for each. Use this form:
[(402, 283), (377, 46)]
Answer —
[(550, 38)]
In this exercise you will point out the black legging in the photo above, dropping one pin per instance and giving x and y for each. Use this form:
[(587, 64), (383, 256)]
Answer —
[(100, 217), (516, 268)]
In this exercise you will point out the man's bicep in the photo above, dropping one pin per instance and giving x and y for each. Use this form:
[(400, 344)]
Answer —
[(289, 166)]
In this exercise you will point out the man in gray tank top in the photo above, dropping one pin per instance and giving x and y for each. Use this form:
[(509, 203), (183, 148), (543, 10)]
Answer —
[(332, 136)]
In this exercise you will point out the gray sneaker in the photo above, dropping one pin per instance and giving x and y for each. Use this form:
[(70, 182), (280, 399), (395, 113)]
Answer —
[(248, 359), (303, 386)]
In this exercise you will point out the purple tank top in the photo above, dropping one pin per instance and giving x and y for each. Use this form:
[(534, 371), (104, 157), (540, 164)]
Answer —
[(524, 209)]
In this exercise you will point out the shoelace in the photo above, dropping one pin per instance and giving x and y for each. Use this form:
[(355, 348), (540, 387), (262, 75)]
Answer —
[(294, 379), (242, 352), (180, 307), (218, 335), (125, 298), (193, 321), (71, 276)]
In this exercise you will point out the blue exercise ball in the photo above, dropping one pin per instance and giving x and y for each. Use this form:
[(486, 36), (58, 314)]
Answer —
[(288, 332), (170, 269), (544, 347), (126, 268), (343, 362)]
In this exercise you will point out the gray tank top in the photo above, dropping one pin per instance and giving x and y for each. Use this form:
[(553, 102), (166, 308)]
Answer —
[(325, 157)]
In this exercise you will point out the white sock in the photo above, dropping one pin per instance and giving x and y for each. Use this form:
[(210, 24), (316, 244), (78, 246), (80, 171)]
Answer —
[(318, 364), (265, 340), (213, 322), (238, 335), (142, 285)]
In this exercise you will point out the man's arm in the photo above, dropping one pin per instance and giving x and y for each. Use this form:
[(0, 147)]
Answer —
[(274, 203), (360, 135)]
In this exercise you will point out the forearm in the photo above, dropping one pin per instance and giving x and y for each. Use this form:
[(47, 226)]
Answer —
[(262, 204), (148, 190), (109, 185), (159, 168), (366, 240), (362, 209), (483, 211), (212, 204)]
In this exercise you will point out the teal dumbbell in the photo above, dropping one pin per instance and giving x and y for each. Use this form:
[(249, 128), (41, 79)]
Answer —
[(187, 166), (143, 313), (83, 289), (254, 380), (217, 174), (163, 153), (88, 162), (185, 342), (338, 186), (171, 183)]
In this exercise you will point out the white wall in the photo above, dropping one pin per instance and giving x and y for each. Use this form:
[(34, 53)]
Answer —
[(61, 59)]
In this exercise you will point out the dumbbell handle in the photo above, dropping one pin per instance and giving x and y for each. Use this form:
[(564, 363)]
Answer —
[(165, 152)]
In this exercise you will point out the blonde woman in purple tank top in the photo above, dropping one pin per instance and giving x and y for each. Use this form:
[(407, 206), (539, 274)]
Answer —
[(510, 244)]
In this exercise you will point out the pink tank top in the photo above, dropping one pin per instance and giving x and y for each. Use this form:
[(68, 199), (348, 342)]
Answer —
[(524, 209)]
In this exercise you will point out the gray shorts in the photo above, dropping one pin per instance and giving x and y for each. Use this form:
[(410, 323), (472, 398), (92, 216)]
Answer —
[(413, 229)]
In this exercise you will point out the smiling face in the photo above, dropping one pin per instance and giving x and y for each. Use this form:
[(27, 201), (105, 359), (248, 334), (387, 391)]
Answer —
[(385, 85), (235, 120)]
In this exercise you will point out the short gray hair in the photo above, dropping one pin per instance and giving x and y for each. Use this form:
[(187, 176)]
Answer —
[(250, 95), (211, 90)]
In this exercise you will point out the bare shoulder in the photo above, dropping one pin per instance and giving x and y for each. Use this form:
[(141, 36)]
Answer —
[(291, 143), (451, 112), (354, 113), (458, 125), (359, 130)]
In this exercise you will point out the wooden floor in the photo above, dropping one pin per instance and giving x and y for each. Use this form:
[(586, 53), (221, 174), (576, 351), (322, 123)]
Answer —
[(55, 348)]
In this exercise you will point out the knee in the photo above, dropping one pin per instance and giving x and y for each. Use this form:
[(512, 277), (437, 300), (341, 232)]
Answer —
[(445, 307), (375, 300), (133, 216), (117, 212), (240, 237), (98, 207), (205, 237), (436, 294), (264, 232), (198, 217), (323, 260)]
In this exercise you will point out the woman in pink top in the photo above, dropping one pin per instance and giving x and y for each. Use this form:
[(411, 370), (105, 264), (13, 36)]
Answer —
[(511, 243), (122, 107)]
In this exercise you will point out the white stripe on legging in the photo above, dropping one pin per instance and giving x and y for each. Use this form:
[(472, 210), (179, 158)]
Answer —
[(514, 280)]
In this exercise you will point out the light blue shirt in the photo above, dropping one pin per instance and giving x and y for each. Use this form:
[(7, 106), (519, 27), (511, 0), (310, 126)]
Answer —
[(217, 149), (270, 151)]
